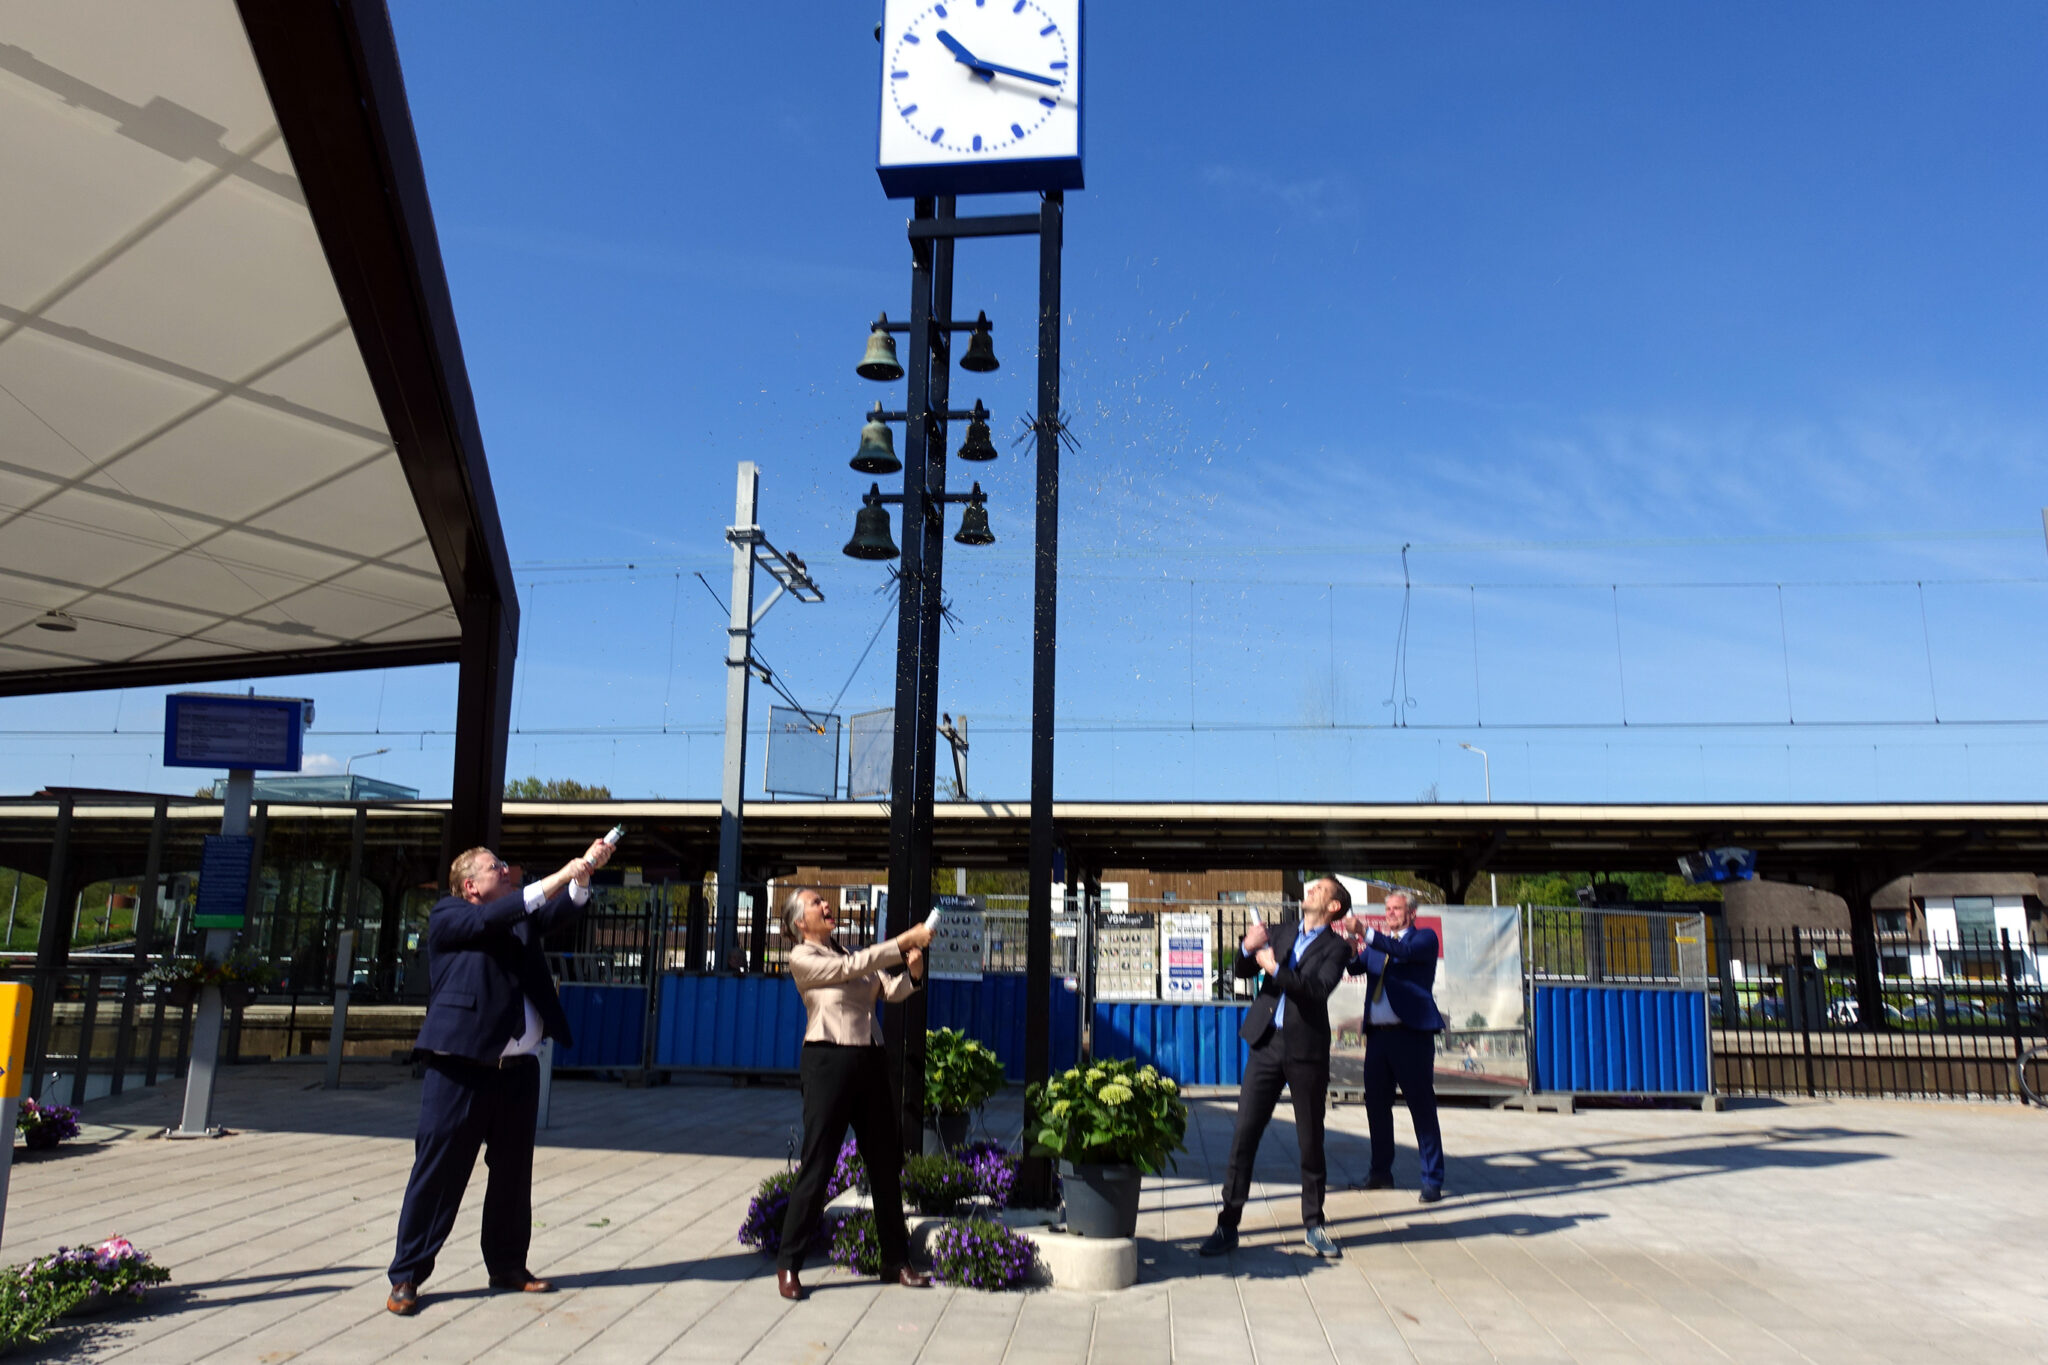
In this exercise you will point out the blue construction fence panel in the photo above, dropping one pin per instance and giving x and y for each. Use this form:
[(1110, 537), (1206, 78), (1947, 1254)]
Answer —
[(756, 1023), (1620, 1040), (609, 1024), (729, 1023), (991, 1011), (1193, 1044)]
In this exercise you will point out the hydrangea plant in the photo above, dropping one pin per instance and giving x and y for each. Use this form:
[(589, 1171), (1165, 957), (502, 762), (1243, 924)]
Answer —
[(960, 1075), (1108, 1113)]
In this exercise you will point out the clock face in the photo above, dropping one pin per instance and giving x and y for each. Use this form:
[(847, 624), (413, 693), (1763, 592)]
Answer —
[(980, 84)]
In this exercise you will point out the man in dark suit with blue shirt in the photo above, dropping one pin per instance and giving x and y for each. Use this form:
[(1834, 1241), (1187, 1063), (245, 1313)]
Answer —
[(1401, 1024), (1288, 1027), (490, 1003)]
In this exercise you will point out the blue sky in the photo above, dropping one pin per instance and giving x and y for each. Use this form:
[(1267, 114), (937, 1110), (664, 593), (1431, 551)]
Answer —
[(1694, 349)]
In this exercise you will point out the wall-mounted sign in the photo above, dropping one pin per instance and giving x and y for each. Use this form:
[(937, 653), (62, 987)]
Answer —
[(1126, 956), (1186, 945), (210, 730), (959, 940)]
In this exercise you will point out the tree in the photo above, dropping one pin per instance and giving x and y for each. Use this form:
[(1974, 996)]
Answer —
[(554, 789)]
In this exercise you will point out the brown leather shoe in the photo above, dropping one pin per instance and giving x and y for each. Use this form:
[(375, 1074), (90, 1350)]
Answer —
[(404, 1299), (787, 1284), (908, 1278), (525, 1282)]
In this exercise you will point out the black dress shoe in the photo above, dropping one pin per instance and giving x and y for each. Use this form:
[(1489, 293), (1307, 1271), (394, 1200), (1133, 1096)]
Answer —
[(1221, 1242), (1378, 1182), (525, 1282), (1431, 1194), (787, 1284), (404, 1299), (908, 1278)]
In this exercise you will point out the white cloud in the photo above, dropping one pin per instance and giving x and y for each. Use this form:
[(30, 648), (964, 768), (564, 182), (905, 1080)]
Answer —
[(320, 765)]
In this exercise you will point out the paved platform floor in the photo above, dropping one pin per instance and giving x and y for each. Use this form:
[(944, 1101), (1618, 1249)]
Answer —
[(1804, 1231)]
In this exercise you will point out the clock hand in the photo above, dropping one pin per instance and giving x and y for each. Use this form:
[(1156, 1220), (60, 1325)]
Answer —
[(959, 51), (980, 65)]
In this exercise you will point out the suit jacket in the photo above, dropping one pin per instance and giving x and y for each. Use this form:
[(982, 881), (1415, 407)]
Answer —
[(1304, 1034), (838, 989), (1408, 961), (482, 960)]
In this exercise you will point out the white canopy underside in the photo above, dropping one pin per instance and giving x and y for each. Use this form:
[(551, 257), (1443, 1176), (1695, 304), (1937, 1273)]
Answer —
[(193, 462)]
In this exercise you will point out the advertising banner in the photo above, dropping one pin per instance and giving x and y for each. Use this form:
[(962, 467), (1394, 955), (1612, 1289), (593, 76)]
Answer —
[(1186, 943), (959, 941), (1478, 991)]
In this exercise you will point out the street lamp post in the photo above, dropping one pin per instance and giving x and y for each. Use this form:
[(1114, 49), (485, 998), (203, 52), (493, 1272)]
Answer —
[(1492, 881), (347, 769)]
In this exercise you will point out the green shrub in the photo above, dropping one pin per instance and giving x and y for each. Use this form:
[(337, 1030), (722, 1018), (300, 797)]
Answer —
[(959, 1074), (1109, 1113), (936, 1184)]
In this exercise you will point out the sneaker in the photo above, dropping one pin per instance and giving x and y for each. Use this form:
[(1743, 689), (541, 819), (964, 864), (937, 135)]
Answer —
[(1320, 1242), (1431, 1194), (1221, 1242)]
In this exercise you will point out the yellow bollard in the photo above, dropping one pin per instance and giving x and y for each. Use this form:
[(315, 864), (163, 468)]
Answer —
[(15, 1002)]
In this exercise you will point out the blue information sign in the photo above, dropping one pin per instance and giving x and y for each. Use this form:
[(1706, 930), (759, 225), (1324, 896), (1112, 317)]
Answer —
[(223, 881), (204, 730)]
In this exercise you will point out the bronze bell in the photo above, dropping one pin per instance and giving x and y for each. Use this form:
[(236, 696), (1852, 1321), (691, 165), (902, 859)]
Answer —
[(977, 446), (981, 350), (880, 362), (877, 453), (974, 521), (871, 538)]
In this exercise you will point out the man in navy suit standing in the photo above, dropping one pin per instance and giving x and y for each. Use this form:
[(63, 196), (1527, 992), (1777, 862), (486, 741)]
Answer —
[(1288, 1027), (490, 1002), (1401, 1024)]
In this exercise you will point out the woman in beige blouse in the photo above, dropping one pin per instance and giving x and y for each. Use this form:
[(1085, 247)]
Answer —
[(845, 1078)]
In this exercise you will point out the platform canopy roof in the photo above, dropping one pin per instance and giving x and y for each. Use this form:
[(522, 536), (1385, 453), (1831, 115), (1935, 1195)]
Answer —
[(236, 432), (1817, 844)]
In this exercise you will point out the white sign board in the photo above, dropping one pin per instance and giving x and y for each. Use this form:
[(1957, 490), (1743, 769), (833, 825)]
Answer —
[(1186, 946), (959, 940)]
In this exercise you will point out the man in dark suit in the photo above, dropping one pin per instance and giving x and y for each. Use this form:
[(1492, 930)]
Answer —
[(490, 1003), (1288, 1027), (1401, 1024)]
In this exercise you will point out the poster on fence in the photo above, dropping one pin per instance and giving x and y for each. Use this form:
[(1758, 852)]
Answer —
[(1185, 945), (960, 940), (1478, 991), (1126, 956)]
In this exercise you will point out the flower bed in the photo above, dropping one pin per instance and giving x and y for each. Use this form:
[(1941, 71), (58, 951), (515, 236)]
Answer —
[(978, 1253), (994, 1169), (74, 1280), (762, 1226)]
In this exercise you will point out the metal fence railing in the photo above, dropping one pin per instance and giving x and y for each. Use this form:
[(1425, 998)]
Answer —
[(1794, 1012)]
